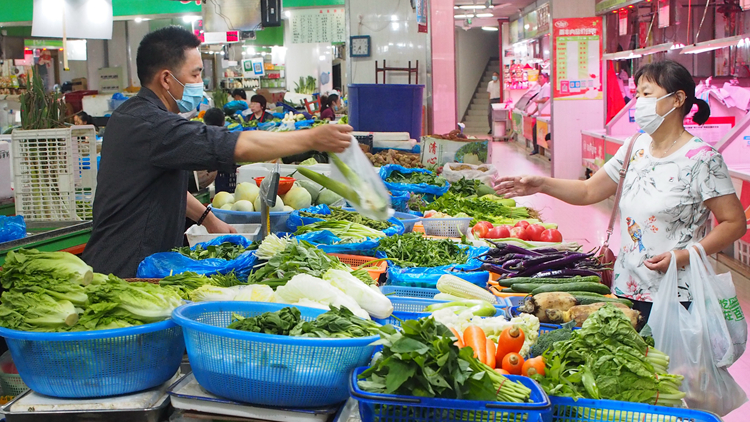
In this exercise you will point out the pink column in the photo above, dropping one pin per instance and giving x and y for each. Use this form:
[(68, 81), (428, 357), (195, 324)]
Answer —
[(442, 33)]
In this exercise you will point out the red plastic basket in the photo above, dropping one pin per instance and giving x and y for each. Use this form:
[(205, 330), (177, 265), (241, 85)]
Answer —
[(356, 261)]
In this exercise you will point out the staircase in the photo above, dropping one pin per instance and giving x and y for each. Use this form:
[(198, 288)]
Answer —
[(475, 117)]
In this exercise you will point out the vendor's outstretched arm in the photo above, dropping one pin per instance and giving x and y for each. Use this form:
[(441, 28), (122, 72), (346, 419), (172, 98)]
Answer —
[(258, 145), (212, 223)]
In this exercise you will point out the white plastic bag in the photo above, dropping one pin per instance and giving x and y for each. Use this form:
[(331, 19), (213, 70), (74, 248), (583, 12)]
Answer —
[(729, 308), (686, 336), (485, 173)]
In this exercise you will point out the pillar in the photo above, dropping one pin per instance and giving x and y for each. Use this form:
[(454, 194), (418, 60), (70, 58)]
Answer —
[(443, 42), (569, 117)]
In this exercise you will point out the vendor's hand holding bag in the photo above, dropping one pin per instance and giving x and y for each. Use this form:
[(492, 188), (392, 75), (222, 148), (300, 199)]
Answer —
[(692, 339), (606, 256)]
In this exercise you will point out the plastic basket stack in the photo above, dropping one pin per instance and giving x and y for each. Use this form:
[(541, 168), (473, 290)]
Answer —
[(405, 308), (446, 227), (97, 363), (10, 382), (265, 369)]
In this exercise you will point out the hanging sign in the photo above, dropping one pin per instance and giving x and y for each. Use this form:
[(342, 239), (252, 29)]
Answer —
[(421, 6), (577, 46)]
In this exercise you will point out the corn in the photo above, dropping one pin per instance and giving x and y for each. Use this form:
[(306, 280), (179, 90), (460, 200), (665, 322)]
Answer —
[(455, 286)]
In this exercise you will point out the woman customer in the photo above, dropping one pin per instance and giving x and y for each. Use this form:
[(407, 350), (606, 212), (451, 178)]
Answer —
[(258, 109), (673, 184), (328, 107)]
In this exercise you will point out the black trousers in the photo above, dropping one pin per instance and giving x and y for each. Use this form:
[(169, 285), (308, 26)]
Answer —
[(645, 308)]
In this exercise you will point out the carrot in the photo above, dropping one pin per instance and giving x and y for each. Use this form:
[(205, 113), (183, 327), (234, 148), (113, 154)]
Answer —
[(513, 363), (491, 354), (475, 338), (502, 371), (510, 341), (533, 366), (459, 341)]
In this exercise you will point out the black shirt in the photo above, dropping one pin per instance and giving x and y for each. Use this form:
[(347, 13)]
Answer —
[(265, 118), (139, 207)]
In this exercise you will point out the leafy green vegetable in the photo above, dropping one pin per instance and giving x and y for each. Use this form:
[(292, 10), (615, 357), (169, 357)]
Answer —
[(336, 323), (352, 216), (30, 267), (280, 322), (298, 257), (466, 187), (36, 312), (549, 338), (144, 302), (226, 250), (481, 209), (188, 281), (346, 230), (416, 178), (422, 360), (608, 359), (414, 250)]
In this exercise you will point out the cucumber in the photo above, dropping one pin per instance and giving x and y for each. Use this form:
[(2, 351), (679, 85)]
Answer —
[(508, 290), (508, 282), (571, 287), (525, 287), (584, 299)]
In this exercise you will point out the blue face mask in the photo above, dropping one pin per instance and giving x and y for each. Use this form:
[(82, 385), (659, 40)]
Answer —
[(494, 78), (335, 108), (192, 95)]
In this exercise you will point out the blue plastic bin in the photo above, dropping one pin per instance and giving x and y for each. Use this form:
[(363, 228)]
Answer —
[(407, 291), (409, 220), (267, 369), (566, 409), (99, 363), (412, 308), (386, 108), (393, 408)]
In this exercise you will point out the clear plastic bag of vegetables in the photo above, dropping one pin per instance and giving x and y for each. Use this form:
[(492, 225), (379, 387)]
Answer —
[(354, 178)]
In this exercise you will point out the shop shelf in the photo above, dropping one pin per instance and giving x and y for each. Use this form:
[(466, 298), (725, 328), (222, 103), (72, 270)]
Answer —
[(266, 369), (393, 408)]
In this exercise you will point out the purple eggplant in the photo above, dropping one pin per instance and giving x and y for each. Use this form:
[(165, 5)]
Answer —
[(494, 268), (508, 248), (565, 273), (566, 261)]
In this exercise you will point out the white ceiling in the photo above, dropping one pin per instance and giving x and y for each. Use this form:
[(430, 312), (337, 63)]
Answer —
[(501, 9)]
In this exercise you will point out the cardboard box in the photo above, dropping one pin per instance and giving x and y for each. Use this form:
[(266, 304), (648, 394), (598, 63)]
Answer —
[(80, 84), (436, 152)]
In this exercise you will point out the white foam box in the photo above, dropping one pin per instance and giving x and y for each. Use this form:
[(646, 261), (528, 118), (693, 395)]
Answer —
[(249, 172), (199, 234)]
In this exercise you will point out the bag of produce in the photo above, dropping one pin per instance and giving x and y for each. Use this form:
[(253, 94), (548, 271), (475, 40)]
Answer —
[(320, 213), (330, 243), (401, 179), (204, 258), (12, 228), (692, 337), (485, 173)]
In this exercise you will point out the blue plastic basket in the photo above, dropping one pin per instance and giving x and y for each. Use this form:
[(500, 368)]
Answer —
[(97, 363), (265, 369), (412, 308), (406, 291), (409, 220), (566, 409), (392, 408)]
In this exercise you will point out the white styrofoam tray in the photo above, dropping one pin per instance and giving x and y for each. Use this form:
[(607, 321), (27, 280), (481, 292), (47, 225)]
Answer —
[(199, 234), (189, 395), (249, 172)]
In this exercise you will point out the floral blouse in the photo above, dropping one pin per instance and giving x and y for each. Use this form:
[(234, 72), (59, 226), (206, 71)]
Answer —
[(662, 209)]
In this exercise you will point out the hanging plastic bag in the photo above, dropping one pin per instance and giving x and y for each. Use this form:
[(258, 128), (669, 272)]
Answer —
[(686, 336), (354, 178), (164, 264), (485, 173), (12, 228), (729, 310)]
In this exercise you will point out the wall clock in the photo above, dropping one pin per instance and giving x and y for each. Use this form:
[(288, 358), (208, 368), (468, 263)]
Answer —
[(360, 45)]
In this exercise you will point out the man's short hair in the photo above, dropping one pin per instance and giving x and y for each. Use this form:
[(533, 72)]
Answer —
[(214, 117), (239, 92), (163, 48)]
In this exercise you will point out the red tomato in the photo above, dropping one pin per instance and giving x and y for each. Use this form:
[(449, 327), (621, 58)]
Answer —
[(480, 230), (535, 232), (519, 233), (522, 223), (499, 232), (486, 224), (551, 235)]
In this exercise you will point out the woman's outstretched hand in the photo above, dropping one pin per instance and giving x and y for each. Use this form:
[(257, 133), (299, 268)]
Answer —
[(510, 186)]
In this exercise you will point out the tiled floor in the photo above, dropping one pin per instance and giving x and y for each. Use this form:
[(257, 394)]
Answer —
[(587, 225)]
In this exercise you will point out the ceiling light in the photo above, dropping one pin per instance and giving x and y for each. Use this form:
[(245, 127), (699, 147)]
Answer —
[(704, 46), (469, 16), (490, 28), (455, 7), (190, 19), (472, 6), (621, 55), (485, 15), (660, 48), (288, 14)]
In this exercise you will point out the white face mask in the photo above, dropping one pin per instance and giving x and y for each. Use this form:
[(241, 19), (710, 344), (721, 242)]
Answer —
[(646, 116)]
